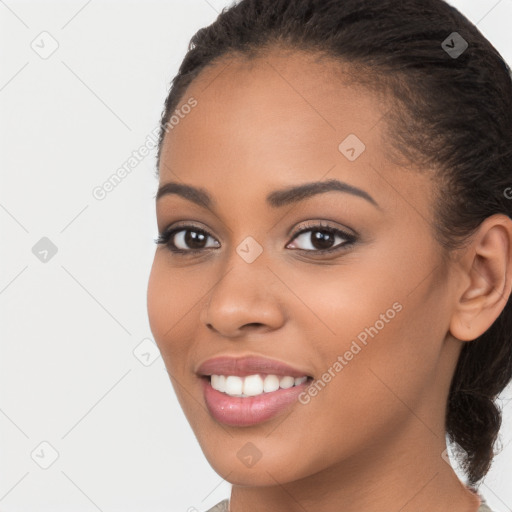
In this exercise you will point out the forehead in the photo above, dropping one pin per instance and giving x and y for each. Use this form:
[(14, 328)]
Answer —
[(275, 120), (278, 93)]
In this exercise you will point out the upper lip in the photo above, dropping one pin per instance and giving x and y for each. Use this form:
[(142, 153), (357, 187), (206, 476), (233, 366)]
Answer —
[(248, 365)]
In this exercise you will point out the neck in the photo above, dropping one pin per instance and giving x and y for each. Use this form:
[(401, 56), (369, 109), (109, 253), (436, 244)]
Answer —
[(406, 474)]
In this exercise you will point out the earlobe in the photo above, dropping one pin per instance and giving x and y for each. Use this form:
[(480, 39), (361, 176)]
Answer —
[(487, 266)]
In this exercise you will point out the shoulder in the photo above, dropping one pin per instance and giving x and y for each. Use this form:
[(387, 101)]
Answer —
[(483, 505), (223, 506)]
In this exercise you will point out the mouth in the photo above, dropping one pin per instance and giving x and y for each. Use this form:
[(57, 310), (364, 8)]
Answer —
[(240, 402), (245, 391)]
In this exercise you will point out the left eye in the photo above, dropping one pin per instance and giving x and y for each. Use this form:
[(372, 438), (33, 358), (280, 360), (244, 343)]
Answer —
[(321, 239), (189, 239)]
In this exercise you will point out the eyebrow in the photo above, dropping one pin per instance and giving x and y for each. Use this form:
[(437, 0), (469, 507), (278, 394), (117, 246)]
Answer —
[(275, 199)]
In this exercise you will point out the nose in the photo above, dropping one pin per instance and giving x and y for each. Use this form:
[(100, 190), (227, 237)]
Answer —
[(245, 298)]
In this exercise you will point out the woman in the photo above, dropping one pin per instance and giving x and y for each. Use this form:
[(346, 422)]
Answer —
[(331, 289)]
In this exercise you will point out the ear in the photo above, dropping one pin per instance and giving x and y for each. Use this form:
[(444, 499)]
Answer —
[(486, 276)]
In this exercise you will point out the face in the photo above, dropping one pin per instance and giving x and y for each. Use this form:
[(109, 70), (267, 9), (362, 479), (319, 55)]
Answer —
[(344, 286)]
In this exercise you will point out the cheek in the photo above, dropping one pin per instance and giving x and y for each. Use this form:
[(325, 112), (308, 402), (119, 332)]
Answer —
[(164, 306), (376, 344), (174, 298), (157, 302), (339, 305)]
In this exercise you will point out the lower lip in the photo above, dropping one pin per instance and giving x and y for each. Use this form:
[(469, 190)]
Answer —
[(245, 411)]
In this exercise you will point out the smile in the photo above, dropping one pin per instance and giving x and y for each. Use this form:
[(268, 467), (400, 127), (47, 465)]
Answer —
[(244, 410), (253, 385)]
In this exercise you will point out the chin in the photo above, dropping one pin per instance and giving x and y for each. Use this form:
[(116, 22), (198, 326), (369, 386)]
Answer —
[(240, 463), (260, 475)]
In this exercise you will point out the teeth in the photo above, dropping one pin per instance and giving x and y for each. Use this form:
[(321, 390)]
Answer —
[(219, 382), (286, 382), (253, 385), (234, 385), (271, 383)]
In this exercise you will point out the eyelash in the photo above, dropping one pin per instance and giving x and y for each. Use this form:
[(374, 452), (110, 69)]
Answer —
[(165, 238)]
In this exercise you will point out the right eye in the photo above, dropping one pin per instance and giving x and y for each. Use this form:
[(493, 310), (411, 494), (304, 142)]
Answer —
[(185, 239)]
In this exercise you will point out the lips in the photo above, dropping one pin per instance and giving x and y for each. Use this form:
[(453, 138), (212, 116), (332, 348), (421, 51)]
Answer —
[(249, 411), (248, 365), (243, 410)]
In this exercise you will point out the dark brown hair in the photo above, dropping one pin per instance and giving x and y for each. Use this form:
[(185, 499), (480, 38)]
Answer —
[(452, 114)]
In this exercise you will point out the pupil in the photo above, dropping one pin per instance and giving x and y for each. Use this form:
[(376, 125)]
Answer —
[(323, 238), (192, 237)]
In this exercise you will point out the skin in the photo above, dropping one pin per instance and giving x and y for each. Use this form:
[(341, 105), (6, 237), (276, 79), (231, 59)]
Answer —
[(373, 438)]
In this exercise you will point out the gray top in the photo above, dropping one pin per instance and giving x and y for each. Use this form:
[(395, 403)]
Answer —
[(223, 506)]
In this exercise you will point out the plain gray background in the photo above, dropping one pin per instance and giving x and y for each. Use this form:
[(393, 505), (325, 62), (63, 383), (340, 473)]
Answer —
[(78, 368)]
